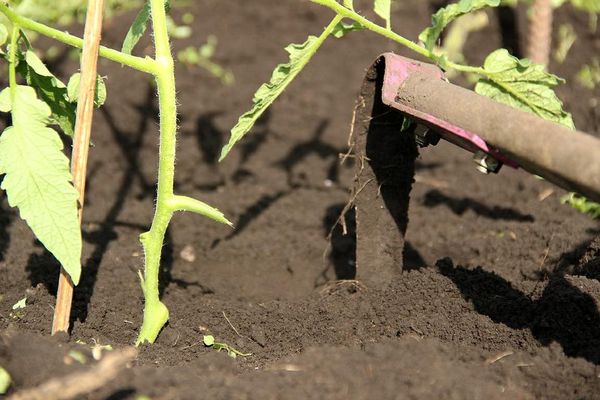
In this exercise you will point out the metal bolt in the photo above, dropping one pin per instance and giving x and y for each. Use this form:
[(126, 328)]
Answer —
[(425, 137), (485, 163)]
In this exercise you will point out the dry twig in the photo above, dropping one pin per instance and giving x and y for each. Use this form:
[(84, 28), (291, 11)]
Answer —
[(82, 382)]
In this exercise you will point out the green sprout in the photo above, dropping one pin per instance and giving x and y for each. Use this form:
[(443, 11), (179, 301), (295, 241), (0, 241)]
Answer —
[(5, 381), (209, 341), (202, 57)]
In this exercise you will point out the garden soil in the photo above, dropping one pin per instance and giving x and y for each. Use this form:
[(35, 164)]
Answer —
[(500, 289)]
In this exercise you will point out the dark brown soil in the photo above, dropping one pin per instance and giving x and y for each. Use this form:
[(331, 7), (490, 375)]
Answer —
[(499, 297)]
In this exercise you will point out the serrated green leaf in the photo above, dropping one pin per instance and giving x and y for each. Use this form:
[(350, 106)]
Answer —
[(50, 89), (446, 15), (524, 85), (342, 28), (137, 29), (300, 55), (383, 8), (73, 90), (38, 181)]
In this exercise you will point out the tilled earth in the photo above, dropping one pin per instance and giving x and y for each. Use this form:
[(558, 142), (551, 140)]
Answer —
[(499, 297)]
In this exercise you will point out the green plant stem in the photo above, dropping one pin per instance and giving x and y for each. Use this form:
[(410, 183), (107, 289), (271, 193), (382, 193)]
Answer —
[(147, 64), (388, 33), (12, 61), (156, 313)]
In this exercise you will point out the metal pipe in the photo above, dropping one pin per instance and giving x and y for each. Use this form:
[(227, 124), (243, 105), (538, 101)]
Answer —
[(570, 159)]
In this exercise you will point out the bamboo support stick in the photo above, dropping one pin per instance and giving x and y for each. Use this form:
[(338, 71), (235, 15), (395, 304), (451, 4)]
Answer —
[(81, 144), (540, 32)]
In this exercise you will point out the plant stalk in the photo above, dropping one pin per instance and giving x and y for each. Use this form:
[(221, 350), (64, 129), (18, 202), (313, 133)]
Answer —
[(12, 61), (540, 32), (139, 63), (156, 313), (81, 144)]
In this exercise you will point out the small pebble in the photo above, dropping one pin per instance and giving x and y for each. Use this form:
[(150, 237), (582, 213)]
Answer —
[(188, 254)]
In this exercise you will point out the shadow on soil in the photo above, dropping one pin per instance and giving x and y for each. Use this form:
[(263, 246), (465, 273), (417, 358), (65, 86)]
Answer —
[(434, 198), (342, 253), (314, 145), (122, 394), (210, 141), (6, 213), (297, 154), (250, 146), (563, 313), (6, 218)]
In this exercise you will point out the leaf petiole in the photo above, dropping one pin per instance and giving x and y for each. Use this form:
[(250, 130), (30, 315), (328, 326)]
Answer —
[(12, 61)]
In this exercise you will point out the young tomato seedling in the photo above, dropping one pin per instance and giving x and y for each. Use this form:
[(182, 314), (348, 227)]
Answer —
[(31, 117)]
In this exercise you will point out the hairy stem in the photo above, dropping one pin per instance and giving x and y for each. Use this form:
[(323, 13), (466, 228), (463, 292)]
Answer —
[(138, 63), (12, 60), (156, 313)]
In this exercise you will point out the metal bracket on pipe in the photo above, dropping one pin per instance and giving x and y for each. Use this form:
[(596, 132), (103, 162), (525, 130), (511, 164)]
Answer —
[(397, 70), (396, 88)]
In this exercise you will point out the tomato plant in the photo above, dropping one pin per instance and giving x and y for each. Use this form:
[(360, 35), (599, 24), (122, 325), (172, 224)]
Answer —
[(36, 171), (37, 178)]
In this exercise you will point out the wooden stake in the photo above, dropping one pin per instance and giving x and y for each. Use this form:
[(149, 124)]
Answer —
[(81, 144), (540, 32)]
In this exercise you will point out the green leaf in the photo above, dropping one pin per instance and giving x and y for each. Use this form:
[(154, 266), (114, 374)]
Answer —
[(38, 180), (185, 203), (590, 6), (3, 34), (283, 75), (5, 381), (208, 340), (383, 9), (524, 85), (5, 102), (177, 31), (342, 28), (78, 356), (137, 29), (73, 90), (51, 90), (40, 68), (19, 305), (445, 15), (582, 204)]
